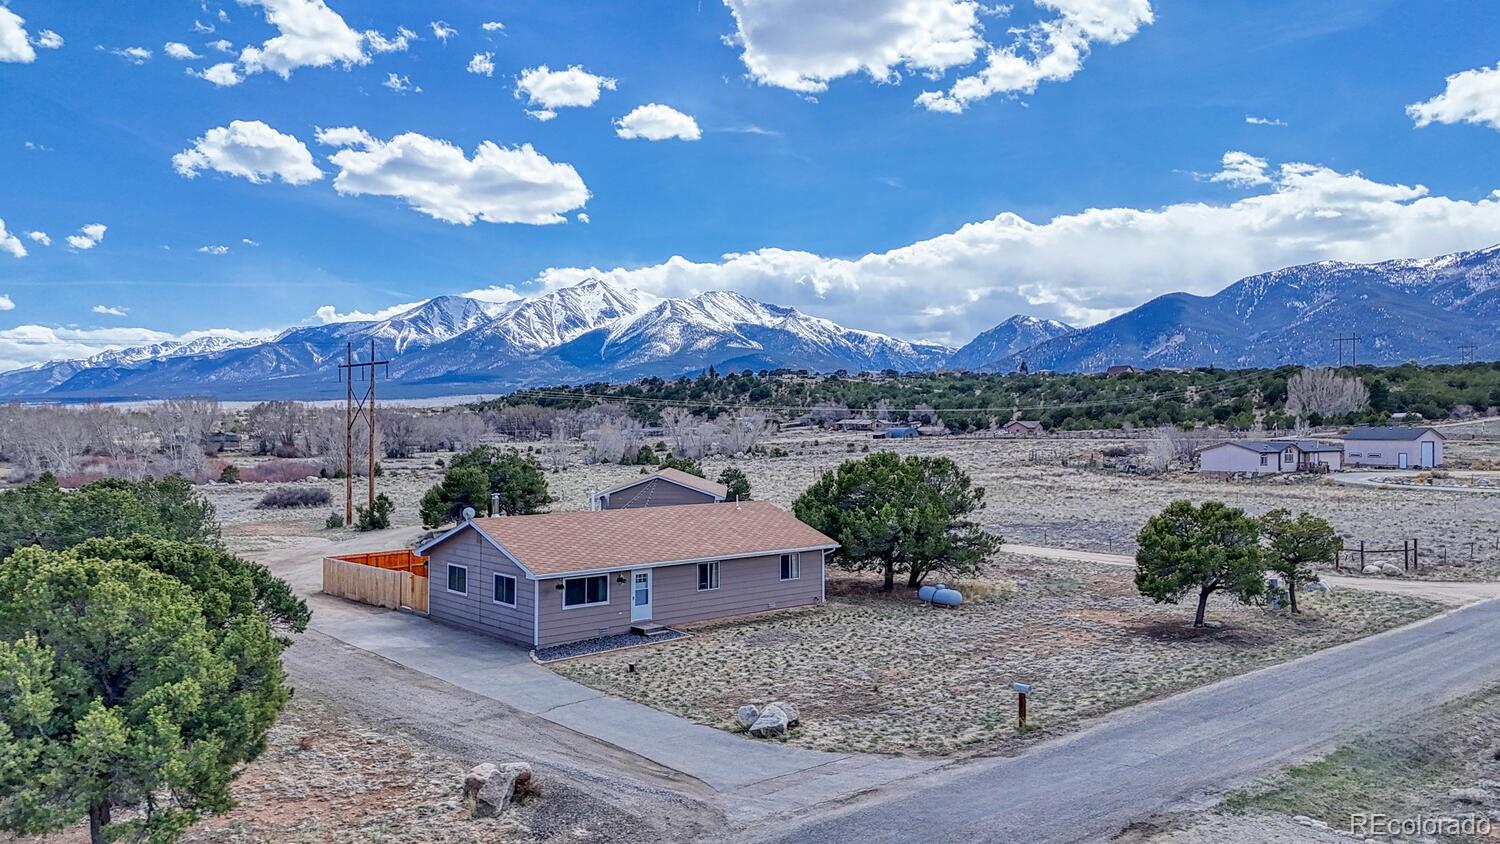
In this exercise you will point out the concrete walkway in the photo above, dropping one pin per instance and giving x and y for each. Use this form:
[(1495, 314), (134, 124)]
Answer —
[(1454, 593), (763, 778)]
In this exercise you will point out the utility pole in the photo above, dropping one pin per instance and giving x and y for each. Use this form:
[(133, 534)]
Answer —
[(1466, 352), (1353, 341), (354, 410)]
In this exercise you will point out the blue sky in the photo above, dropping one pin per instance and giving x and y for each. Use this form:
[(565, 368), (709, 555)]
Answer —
[(852, 155)]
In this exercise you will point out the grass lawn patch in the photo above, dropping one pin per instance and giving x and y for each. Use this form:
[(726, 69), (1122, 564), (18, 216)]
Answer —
[(878, 673)]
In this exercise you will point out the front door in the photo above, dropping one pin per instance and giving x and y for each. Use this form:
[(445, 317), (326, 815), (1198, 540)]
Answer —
[(1429, 455), (1401, 460), (640, 595)]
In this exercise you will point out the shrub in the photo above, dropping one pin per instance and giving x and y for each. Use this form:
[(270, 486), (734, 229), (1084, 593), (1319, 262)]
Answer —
[(230, 474), (333, 521), (377, 517), (294, 496), (986, 591)]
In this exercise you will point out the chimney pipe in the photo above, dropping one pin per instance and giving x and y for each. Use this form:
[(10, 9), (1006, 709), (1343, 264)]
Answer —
[(494, 504)]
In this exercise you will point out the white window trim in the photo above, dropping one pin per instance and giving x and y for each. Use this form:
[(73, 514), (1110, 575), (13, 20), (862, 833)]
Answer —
[(449, 579), (794, 567), (564, 591), (513, 586), (714, 577)]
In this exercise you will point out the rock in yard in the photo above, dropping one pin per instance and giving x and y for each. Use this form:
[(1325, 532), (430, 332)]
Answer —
[(1370, 569), (747, 715), (786, 709), (490, 788), (1391, 570), (770, 724)]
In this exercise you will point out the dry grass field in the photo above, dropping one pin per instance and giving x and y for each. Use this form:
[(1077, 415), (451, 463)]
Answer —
[(879, 673), (1039, 492)]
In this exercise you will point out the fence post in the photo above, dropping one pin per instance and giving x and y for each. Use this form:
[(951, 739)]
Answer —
[(1414, 564), (1361, 555)]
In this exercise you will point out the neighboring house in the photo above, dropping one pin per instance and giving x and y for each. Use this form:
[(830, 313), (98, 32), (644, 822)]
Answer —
[(661, 488), (899, 432), (853, 424), (1121, 369), (1393, 447), (552, 578), (1270, 457), (1022, 428)]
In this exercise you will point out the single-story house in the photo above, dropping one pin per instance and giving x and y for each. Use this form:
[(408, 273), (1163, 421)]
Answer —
[(1022, 428), (1270, 457), (553, 578), (1121, 369), (899, 432), (858, 424), (661, 488), (1393, 447)]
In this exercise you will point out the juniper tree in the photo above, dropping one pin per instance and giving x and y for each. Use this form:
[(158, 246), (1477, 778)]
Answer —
[(1294, 545), (1206, 549)]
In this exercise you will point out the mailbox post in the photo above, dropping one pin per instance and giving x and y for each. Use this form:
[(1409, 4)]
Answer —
[(1021, 690)]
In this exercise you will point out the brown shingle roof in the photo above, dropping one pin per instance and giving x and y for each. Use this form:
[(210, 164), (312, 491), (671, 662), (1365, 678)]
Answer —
[(590, 540), (677, 476)]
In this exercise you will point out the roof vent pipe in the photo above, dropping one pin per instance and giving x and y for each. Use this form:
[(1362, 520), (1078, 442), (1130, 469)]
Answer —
[(494, 504)]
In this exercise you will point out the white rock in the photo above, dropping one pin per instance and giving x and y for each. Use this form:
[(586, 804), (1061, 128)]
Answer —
[(1391, 570), (746, 715), (770, 724), (787, 709)]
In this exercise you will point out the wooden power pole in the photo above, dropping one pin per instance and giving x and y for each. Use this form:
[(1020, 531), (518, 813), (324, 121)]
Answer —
[(354, 410)]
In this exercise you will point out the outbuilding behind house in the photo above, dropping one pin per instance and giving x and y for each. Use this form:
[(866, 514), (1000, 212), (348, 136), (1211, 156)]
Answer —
[(1393, 447)]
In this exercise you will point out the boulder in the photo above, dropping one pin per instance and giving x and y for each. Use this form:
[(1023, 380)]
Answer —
[(746, 715), (1391, 570), (787, 709), (1370, 569), (490, 788), (770, 724)]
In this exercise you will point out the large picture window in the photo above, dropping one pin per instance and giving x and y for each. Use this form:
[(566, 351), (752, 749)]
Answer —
[(586, 591), (505, 590), (708, 576), (791, 566)]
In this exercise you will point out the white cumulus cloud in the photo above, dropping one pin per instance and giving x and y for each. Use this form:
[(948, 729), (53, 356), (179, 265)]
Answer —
[(553, 89), (656, 122), (88, 236), (5, 302), (497, 185), (380, 44), (1242, 169), (400, 84), (222, 45), (48, 40), (1472, 96), (10, 244), (222, 74), (249, 149), (179, 51), (442, 31), (15, 44), (134, 55), (492, 26), (803, 46), (40, 237), (110, 310), (310, 35), (216, 249), (482, 64), (1086, 266)]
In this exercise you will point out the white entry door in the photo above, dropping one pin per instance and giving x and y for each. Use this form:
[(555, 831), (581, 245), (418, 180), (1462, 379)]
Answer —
[(640, 595), (1429, 455), (1401, 460)]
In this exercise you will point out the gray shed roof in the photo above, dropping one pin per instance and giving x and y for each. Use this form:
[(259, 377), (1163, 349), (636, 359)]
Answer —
[(1389, 432)]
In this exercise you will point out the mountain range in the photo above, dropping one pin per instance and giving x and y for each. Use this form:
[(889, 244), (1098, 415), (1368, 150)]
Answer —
[(1429, 310)]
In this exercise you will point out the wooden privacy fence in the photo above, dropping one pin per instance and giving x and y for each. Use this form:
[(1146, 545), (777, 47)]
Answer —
[(392, 579)]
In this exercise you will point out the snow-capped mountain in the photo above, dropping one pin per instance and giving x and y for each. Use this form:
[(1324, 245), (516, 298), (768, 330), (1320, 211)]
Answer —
[(999, 349), (1410, 309), (1422, 309)]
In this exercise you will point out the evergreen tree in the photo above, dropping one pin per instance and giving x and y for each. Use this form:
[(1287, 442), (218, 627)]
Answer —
[(473, 475), (1293, 546), (737, 484), (1209, 549)]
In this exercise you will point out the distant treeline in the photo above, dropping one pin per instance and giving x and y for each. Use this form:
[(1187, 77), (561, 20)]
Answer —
[(962, 401)]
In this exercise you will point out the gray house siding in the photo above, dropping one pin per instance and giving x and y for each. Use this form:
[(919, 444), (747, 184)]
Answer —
[(747, 585), (477, 611), (654, 493)]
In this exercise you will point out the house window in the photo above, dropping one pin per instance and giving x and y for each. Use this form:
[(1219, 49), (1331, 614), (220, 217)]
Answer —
[(505, 590), (586, 591), (791, 566), (1265, 460), (1289, 456), (458, 579), (708, 576)]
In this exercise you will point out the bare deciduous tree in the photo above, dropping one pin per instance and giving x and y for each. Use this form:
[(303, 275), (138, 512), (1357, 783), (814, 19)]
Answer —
[(1324, 392)]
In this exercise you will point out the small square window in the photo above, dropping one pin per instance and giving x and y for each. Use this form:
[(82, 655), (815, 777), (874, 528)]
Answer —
[(708, 576), (458, 579), (505, 590), (791, 566)]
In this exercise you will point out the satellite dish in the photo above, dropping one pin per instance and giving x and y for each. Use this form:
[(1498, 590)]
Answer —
[(468, 513)]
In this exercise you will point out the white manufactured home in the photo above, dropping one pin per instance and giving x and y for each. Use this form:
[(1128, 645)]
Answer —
[(1270, 457), (1393, 447)]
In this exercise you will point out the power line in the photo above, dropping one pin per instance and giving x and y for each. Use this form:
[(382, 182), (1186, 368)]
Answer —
[(353, 411), (1353, 341)]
